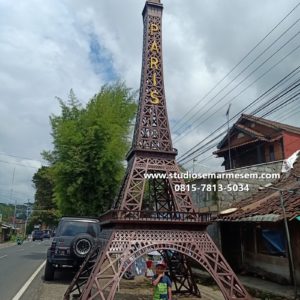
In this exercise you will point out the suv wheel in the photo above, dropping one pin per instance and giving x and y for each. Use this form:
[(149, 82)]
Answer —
[(82, 245), (49, 271)]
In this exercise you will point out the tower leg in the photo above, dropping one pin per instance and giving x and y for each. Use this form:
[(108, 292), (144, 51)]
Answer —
[(125, 246), (181, 273)]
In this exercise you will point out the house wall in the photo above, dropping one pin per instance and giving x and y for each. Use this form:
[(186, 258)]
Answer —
[(227, 198), (237, 139), (231, 244), (278, 150), (271, 267), (291, 143), (220, 200), (262, 128), (240, 246)]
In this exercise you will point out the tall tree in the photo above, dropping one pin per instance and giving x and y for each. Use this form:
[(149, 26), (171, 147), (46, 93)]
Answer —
[(89, 148), (45, 209)]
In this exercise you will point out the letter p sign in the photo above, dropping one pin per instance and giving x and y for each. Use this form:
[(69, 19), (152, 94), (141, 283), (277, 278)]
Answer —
[(153, 28)]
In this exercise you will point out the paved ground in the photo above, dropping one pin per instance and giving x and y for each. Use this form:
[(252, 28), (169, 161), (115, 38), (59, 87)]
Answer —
[(139, 289), (17, 264)]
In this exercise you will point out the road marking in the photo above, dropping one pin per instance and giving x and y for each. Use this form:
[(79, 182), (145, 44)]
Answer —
[(20, 250), (28, 282), (3, 256)]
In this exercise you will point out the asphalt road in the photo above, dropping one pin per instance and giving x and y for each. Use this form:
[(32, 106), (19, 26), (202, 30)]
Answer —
[(17, 264)]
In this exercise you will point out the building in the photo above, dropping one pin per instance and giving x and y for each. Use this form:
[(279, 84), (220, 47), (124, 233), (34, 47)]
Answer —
[(253, 233), (255, 140), (5, 232), (258, 147)]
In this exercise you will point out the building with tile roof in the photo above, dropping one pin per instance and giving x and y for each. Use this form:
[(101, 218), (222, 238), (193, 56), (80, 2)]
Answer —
[(253, 235), (255, 140)]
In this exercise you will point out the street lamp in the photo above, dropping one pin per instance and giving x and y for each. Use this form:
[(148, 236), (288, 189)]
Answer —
[(287, 232)]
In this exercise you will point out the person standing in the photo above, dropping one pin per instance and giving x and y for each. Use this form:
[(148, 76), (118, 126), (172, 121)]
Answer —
[(162, 283)]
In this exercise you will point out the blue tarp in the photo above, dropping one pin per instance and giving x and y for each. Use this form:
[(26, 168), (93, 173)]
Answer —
[(274, 241)]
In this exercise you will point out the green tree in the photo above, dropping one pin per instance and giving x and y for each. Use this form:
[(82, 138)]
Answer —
[(89, 148), (45, 209)]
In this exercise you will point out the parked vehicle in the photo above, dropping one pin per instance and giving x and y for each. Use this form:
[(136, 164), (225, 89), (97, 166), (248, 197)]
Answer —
[(74, 239), (37, 235), (47, 233)]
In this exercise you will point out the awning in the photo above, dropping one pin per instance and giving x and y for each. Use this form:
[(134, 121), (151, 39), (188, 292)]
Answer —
[(257, 218)]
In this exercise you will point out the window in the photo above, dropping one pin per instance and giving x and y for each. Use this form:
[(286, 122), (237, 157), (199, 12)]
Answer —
[(271, 153), (72, 228), (271, 242)]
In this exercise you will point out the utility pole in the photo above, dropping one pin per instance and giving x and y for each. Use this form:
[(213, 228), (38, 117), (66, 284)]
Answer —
[(194, 160), (288, 238), (228, 136), (26, 220), (287, 231), (11, 194)]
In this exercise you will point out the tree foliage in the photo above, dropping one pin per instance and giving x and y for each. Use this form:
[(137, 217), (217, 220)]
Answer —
[(45, 209), (89, 148)]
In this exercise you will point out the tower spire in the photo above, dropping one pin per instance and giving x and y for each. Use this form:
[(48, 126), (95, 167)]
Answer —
[(153, 212), (152, 131)]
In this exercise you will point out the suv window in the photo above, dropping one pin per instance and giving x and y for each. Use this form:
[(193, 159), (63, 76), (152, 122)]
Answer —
[(37, 232), (72, 228)]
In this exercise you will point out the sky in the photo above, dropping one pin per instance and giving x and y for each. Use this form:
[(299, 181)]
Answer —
[(49, 47)]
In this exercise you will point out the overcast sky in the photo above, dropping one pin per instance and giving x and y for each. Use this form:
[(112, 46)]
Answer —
[(50, 47)]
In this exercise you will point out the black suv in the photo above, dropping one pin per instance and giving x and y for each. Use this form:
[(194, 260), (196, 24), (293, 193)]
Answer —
[(74, 239), (37, 235)]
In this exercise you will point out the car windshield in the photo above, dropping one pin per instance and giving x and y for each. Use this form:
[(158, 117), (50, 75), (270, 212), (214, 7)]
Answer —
[(72, 228), (37, 232)]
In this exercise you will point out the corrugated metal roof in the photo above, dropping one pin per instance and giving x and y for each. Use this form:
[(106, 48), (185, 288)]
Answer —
[(261, 218)]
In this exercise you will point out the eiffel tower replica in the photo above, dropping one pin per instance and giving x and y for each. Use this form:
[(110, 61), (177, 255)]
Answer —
[(151, 211)]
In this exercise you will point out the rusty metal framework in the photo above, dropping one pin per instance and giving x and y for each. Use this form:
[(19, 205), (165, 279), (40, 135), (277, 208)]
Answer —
[(181, 274), (125, 246), (150, 213), (152, 127)]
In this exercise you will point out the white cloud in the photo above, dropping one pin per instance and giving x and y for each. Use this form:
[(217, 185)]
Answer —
[(45, 51)]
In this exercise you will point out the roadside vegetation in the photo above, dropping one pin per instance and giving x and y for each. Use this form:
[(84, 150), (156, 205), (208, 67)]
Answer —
[(86, 164)]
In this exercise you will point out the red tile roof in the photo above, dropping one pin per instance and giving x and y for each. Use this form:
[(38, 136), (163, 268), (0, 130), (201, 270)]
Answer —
[(260, 135), (270, 123), (265, 204)]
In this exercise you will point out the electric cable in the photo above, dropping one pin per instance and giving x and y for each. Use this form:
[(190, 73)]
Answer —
[(260, 42)]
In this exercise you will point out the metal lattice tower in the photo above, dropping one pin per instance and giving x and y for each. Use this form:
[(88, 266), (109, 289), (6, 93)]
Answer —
[(149, 213)]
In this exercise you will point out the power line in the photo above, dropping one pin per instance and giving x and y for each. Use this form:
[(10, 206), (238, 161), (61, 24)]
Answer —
[(241, 72), (242, 81), (279, 96), (260, 42), (265, 94), (20, 157), (18, 164)]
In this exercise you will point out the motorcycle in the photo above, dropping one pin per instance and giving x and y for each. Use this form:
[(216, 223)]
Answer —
[(19, 241)]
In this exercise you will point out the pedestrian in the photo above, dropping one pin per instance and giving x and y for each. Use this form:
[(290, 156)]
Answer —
[(149, 271), (162, 283)]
